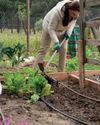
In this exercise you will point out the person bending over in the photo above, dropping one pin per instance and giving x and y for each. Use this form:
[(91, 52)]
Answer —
[(55, 23)]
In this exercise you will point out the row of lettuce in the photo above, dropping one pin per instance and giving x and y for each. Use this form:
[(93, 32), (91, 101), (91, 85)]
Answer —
[(29, 83)]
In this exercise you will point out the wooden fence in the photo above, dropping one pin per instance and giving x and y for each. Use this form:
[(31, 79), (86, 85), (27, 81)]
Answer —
[(83, 42)]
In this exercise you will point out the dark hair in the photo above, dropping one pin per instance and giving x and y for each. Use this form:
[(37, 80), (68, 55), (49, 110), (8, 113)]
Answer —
[(71, 5), (74, 6)]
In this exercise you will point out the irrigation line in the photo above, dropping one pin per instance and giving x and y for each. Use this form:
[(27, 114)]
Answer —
[(52, 80), (65, 114), (93, 99)]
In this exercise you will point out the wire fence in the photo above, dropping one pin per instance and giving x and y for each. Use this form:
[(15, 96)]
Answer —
[(13, 22)]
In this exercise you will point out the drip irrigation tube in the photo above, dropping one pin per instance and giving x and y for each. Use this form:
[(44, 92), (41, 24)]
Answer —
[(66, 115), (93, 99), (52, 80)]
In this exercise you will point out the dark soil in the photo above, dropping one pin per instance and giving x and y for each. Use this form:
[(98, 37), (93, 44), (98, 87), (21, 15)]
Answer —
[(19, 109), (75, 105), (65, 100), (88, 91)]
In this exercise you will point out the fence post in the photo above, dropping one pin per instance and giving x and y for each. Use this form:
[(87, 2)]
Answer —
[(82, 46), (28, 23)]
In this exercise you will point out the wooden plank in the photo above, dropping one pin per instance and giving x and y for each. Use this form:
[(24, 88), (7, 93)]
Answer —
[(92, 2), (93, 61), (93, 42), (93, 23)]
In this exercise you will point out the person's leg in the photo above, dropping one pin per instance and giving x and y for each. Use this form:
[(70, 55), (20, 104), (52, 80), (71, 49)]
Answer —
[(62, 56), (44, 46)]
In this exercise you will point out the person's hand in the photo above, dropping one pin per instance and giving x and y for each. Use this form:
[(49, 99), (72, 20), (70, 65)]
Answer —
[(57, 46), (66, 35)]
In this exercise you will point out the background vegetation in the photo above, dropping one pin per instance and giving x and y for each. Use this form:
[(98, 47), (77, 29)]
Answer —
[(13, 24)]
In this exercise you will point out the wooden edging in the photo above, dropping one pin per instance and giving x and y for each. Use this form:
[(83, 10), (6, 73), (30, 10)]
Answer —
[(75, 77), (59, 75), (88, 82)]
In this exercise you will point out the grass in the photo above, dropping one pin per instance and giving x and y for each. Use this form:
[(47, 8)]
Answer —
[(9, 39)]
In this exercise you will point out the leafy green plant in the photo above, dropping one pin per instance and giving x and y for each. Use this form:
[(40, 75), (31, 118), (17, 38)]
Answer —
[(14, 81), (26, 70), (72, 64), (36, 85), (19, 54), (15, 53)]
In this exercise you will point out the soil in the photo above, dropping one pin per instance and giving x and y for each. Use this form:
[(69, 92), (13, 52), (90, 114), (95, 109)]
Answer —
[(19, 109), (87, 91), (75, 105)]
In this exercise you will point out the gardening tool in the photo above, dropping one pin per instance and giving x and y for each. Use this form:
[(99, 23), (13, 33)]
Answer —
[(54, 54), (48, 78)]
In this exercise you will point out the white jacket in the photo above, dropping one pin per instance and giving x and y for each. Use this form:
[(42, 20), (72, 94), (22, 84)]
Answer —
[(52, 22)]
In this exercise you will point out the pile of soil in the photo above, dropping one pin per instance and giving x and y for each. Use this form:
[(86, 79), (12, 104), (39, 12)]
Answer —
[(75, 105)]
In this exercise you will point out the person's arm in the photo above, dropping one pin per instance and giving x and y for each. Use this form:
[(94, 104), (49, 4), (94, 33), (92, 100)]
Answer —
[(52, 27)]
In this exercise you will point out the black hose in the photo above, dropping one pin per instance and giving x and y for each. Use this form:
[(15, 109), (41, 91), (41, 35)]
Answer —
[(52, 80), (71, 117), (82, 95)]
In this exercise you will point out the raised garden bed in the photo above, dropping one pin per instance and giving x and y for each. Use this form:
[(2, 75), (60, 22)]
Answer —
[(92, 87), (75, 105), (62, 98), (69, 98), (90, 78)]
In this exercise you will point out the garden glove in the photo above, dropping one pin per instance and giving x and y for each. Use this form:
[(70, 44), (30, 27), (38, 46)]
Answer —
[(66, 35), (57, 46)]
